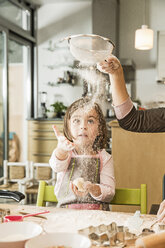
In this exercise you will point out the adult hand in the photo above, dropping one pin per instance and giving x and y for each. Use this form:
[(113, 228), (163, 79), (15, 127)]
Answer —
[(111, 65), (118, 87), (63, 142), (161, 212)]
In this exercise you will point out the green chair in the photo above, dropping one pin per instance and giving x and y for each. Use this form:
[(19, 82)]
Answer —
[(45, 194), (137, 197)]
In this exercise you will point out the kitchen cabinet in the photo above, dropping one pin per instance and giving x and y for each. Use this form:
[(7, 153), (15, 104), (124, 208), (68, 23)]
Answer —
[(138, 158), (41, 139)]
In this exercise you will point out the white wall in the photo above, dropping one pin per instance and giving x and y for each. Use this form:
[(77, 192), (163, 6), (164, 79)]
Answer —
[(131, 18), (56, 21)]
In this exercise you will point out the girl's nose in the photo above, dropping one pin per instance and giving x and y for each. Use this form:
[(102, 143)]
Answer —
[(83, 125)]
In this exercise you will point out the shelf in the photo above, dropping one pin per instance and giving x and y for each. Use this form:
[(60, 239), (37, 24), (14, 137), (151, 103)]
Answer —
[(53, 67)]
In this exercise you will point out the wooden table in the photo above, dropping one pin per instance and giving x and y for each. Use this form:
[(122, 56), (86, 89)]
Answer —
[(69, 220)]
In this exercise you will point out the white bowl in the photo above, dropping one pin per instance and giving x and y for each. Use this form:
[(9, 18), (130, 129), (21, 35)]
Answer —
[(15, 234), (72, 240)]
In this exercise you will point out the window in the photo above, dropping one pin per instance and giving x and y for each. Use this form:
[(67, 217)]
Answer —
[(15, 13)]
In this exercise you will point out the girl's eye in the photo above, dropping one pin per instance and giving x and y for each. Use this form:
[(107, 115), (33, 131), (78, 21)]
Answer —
[(91, 121), (76, 121)]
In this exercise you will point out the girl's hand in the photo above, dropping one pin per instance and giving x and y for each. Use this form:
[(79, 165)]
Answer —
[(63, 146), (63, 142), (76, 192), (111, 65), (161, 212), (93, 189)]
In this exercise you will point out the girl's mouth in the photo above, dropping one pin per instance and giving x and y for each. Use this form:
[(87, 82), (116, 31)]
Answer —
[(83, 135)]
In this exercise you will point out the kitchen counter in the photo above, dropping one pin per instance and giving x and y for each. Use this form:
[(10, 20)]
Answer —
[(45, 119), (61, 119)]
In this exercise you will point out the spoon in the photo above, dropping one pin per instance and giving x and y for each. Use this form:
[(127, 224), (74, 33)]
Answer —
[(37, 216), (156, 221), (149, 230), (9, 218)]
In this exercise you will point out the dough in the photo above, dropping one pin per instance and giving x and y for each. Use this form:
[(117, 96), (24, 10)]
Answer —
[(79, 183)]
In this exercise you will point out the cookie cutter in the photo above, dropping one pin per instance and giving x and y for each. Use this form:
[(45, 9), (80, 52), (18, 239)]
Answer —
[(108, 235), (112, 235), (161, 227)]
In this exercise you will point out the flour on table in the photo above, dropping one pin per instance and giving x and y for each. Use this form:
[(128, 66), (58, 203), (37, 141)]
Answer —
[(73, 220)]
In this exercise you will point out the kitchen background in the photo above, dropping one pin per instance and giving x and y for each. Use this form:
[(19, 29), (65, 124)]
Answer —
[(116, 20), (57, 72)]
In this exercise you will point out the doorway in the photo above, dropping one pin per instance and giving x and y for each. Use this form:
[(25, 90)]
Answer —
[(1, 97), (15, 96), (18, 95)]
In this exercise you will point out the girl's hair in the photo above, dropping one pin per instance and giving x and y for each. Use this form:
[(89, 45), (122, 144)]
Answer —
[(101, 139)]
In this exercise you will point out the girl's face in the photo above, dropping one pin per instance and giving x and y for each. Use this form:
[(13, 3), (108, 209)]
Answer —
[(84, 126)]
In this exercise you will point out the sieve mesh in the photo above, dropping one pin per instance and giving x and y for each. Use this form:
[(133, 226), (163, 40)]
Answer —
[(90, 49)]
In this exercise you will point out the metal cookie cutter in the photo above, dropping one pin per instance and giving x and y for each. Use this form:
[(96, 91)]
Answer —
[(161, 227), (109, 235)]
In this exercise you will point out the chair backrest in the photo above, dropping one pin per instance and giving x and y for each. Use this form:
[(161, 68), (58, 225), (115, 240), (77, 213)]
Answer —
[(15, 171), (41, 171), (137, 197), (123, 196), (45, 194)]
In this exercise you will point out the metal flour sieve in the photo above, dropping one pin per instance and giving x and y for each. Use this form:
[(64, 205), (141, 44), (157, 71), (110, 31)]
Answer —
[(90, 48)]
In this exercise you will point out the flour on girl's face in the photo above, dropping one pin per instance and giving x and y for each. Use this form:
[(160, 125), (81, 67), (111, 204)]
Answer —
[(84, 125), (98, 82)]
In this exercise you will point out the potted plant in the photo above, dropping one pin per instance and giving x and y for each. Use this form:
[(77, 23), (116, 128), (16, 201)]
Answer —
[(59, 108), (50, 113)]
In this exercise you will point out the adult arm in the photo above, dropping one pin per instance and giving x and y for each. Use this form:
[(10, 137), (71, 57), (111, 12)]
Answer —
[(144, 121), (152, 120)]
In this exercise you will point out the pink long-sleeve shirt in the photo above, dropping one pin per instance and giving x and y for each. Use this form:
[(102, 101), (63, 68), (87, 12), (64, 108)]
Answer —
[(123, 109), (107, 179)]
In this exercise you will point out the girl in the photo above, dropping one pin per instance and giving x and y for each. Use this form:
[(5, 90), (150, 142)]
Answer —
[(80, 153)]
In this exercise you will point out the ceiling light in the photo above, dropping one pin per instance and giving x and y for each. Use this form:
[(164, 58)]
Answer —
[(144, 36)]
